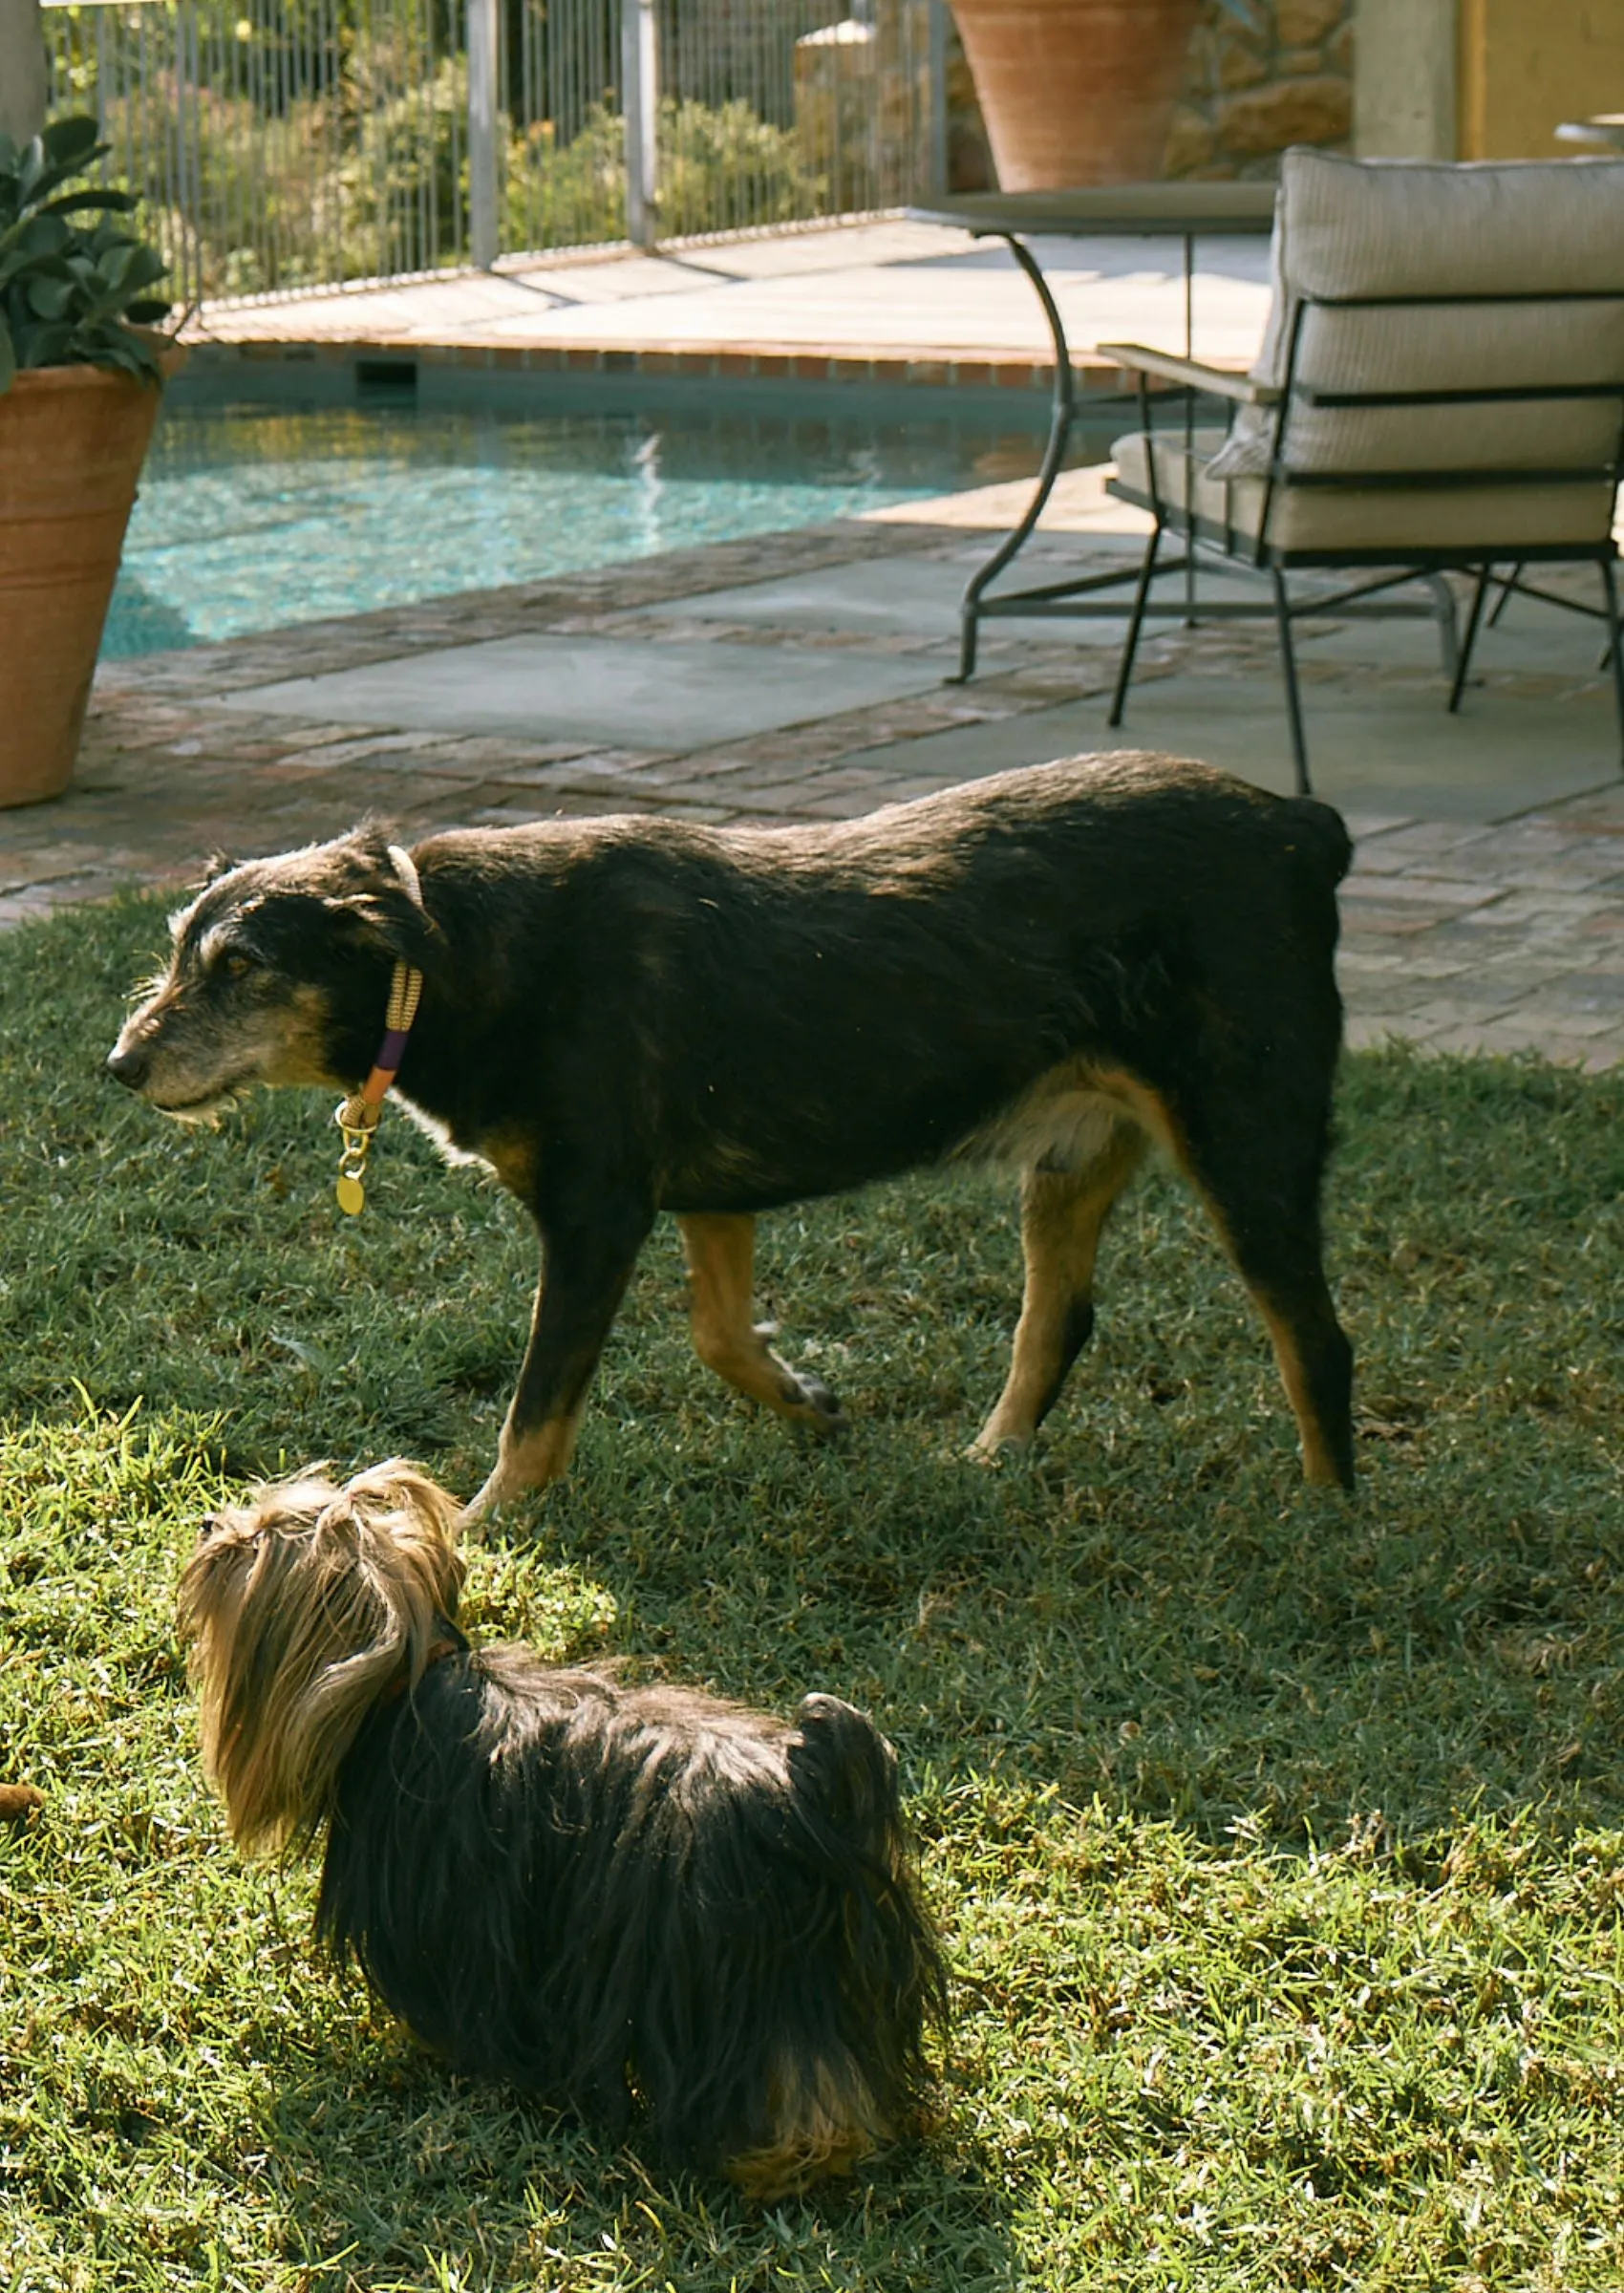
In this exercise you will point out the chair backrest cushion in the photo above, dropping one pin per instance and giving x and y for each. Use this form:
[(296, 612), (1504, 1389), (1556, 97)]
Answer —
[(1530, 228)]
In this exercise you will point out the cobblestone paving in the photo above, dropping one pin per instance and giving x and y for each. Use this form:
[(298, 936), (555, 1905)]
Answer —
[(1507, 937)]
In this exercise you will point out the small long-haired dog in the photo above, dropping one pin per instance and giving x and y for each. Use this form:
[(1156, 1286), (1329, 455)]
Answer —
[(626, 1899), (621, 1017)]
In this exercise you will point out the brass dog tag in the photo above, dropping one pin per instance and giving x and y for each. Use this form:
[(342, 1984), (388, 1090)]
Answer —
[(357, 1116), (356, 1120)]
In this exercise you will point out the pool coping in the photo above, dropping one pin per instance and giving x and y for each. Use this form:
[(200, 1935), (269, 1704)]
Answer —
[(324, 368), (718, 361), (876, 303)]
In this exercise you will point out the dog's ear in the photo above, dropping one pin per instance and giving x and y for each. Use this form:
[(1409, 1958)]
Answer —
[(382, 897), (217, 864)]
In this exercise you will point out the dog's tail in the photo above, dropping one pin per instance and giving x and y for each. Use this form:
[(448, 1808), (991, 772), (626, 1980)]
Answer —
[(850, 1807), (845, 1768), (831, 1971)]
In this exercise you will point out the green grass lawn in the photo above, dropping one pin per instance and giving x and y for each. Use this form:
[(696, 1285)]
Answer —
[(1276, 1837)]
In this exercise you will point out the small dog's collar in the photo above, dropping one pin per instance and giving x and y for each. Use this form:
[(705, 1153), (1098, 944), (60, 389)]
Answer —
[(357, 1116)]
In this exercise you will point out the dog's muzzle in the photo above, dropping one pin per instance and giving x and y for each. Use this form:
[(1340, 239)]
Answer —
[(129, 1066)]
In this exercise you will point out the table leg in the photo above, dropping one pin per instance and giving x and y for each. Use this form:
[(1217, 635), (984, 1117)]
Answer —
[(1189, 426), (1062, 414)]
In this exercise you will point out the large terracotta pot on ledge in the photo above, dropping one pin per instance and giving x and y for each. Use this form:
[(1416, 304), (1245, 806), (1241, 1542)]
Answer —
[(1075, 92), (72, 443)]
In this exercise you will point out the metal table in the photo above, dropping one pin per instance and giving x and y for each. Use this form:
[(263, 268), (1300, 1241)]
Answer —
[(1184, 211)]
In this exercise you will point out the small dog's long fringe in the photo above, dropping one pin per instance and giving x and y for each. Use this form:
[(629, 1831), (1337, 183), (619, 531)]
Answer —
[(635, 1902), (296, 1636)]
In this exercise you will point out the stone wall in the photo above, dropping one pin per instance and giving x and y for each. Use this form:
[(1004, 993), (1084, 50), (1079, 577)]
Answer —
[(1285, 77), (970, 154), (1282, 76)]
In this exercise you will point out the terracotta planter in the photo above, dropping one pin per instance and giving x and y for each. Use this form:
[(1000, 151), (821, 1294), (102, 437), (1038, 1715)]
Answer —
[(1075, 92), (72, 443)]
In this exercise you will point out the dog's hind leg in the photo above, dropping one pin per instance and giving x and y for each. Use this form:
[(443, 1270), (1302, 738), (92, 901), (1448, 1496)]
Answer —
[(721, 1250), (1277, 1254), (1256, 1165), (1061, 1214)]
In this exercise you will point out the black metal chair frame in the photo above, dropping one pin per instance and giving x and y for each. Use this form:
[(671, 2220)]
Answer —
[(1257, 555)]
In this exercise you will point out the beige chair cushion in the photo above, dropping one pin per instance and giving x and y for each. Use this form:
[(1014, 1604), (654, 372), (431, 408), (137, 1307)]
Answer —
[(1416, 228), (1477, 521)]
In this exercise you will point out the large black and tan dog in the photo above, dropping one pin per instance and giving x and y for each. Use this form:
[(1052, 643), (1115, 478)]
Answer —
[(625, 1016)]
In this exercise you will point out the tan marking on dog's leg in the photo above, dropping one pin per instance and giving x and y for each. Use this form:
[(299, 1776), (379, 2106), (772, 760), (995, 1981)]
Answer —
[(512, 1156), (796, 2165), (823, 2122), (721, 1250), (585, 1269), (1284, 1275), (1061, 1214), (541, 1457), (1320, 1464), (1311, 1350)]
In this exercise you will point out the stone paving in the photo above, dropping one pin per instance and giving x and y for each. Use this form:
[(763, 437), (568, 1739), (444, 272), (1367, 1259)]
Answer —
[(1460, 933)]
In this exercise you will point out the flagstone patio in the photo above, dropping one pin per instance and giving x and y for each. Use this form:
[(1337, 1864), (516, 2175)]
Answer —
[(1484, 909), (803, 675)]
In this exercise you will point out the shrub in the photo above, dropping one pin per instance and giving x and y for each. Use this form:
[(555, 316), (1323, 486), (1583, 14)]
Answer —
[(70, 289)]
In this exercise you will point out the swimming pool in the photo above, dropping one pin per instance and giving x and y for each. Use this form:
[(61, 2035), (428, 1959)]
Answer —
[(253, 518)]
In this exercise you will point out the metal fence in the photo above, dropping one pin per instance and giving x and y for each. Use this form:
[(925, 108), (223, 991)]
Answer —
[(278, 145)]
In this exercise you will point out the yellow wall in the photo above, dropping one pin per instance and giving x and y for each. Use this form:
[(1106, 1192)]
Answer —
[(1525, 65)]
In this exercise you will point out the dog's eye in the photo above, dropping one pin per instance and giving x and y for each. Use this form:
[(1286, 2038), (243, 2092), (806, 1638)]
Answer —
[(236, 965)]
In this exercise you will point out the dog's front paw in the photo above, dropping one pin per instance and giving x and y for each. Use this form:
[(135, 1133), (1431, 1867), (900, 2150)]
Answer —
[(525, 1464), (996, 1448), (474, 1521), (477, 1517), (811, 1403)]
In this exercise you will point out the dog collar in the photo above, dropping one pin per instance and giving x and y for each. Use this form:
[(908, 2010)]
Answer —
[(357, 1116)]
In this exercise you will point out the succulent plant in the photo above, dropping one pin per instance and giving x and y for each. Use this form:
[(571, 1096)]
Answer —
[(73, 291)]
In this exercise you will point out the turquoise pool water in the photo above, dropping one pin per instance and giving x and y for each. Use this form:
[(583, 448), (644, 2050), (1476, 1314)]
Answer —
[(256, 518)]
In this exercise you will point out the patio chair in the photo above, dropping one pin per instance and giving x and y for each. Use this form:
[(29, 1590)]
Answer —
[(1441, 389)]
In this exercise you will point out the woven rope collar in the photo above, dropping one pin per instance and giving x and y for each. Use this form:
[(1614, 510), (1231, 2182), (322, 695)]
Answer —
[(357, 1116)]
